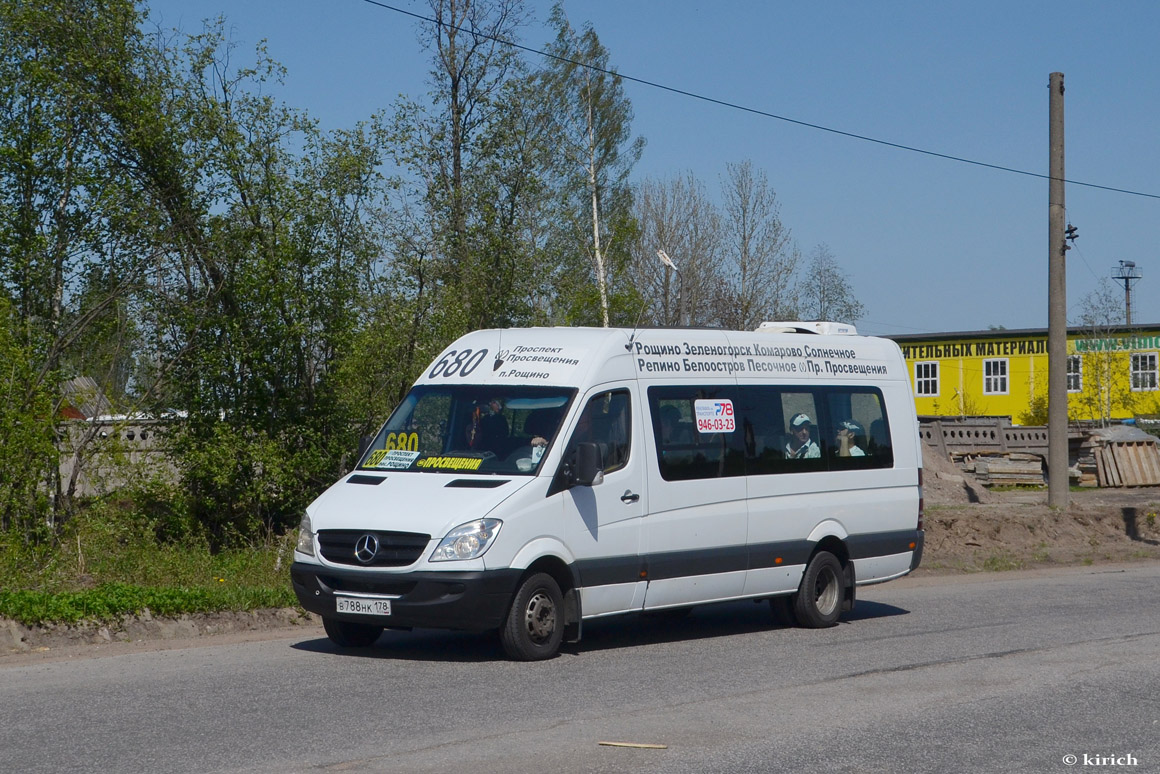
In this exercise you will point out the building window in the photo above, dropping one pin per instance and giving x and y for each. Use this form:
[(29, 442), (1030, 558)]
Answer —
[(1074, 373), (995, 377), (1144, 371), (926, 378)]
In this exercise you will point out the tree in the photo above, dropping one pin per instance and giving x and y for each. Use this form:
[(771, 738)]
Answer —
[(760, 258), (825, 292), (456, 148), (27, 440), (259, 316), (72, 251), (678, 217), (738, 263), (593, 118), (458, 232), (1105, 373)]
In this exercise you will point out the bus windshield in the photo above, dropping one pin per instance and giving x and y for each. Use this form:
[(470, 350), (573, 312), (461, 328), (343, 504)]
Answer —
[(470, 429)]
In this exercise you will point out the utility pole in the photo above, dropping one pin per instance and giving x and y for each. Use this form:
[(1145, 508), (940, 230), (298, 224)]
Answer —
[(1127, 273), (1057, 462)]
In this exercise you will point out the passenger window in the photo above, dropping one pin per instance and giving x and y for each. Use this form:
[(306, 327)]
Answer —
[(683, 452), (781, 430), (799, 412), (607, 422), (777, 430), (858, 435)]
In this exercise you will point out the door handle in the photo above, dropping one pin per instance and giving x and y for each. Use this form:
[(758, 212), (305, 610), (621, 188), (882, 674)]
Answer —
[(629, 496)]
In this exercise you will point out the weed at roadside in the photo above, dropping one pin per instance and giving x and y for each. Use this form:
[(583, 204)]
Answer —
[(1001, 562), (115, 558), (111, 601)]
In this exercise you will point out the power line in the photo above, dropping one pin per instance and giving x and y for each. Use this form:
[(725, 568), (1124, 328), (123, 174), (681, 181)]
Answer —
[(755, 111)]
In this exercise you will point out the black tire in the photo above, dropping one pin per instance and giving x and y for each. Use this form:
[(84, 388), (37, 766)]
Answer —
[(534, 627), (346, 634), (818, 602)]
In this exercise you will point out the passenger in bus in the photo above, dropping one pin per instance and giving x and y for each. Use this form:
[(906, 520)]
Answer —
[(540, 426), (488, 430), (851, 439), (878, 440), (801, 445), (673, 431)]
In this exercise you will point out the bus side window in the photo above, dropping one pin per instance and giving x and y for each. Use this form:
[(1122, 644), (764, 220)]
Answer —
[(607, 422)]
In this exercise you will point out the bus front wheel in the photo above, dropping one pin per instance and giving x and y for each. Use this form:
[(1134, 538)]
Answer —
[(534, 627)]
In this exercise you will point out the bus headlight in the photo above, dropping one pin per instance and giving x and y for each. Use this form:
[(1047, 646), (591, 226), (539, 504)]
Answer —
[(305, 537), (467, 541)]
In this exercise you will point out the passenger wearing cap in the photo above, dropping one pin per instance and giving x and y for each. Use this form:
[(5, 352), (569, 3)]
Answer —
[(851, 439), (800, 445)]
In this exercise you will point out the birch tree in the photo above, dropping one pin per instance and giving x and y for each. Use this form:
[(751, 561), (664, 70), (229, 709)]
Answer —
[(1105, 373), (593, 117)]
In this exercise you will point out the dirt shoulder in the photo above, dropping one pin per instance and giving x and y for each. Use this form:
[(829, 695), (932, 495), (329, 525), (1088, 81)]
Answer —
[(969, 529), (23, 644), (1023, 532), (972, 529)]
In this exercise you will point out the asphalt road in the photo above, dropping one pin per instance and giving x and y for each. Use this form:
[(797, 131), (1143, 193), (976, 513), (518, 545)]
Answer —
[(1010, 672)]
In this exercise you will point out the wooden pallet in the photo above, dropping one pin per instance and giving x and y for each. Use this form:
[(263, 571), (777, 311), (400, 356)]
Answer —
[(1128, 463)]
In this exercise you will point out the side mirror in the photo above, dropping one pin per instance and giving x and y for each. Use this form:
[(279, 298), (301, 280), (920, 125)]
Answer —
[(364, 443), (589, 465)]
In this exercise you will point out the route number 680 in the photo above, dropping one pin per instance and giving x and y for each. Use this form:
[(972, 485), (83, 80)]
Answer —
[(461, 363)]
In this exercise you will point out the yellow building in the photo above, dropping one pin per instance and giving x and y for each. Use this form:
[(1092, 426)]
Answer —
[(1112, 373)]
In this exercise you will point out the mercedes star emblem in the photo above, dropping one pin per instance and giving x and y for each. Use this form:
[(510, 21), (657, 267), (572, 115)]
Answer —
[(366, 548)]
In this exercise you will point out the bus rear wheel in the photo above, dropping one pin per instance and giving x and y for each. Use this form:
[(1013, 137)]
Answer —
[(818, 602)]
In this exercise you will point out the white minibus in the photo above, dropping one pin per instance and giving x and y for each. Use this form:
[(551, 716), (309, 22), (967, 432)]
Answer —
[(534, 479)]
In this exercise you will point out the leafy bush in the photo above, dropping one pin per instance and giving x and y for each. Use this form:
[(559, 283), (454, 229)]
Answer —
[(244, 484), (27, 443), (121, 555)]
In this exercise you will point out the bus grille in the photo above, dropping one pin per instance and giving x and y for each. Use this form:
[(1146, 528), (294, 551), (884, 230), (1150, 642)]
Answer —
[(395, 549)]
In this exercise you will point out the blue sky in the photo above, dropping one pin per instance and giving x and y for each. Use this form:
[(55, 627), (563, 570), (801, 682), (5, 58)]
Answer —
[(928, 244)]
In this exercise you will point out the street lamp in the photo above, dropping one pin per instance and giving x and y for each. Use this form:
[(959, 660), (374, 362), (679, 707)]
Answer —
[(667, 261)]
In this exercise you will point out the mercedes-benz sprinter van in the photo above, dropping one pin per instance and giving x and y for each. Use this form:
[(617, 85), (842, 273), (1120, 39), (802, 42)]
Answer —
[(533, 479)]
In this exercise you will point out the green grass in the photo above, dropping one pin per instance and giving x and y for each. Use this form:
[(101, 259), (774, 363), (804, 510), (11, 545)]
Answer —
[(1001, 562), (1042, 553), (1018, 488), (111, 601), (109, 562)]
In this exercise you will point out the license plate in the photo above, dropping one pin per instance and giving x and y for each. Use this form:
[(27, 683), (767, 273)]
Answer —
[(362, 605)]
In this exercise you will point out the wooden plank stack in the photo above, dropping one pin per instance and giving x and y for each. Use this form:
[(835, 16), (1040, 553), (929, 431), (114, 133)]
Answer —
[(999, 454), (1003, 469), (1082, 453)]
